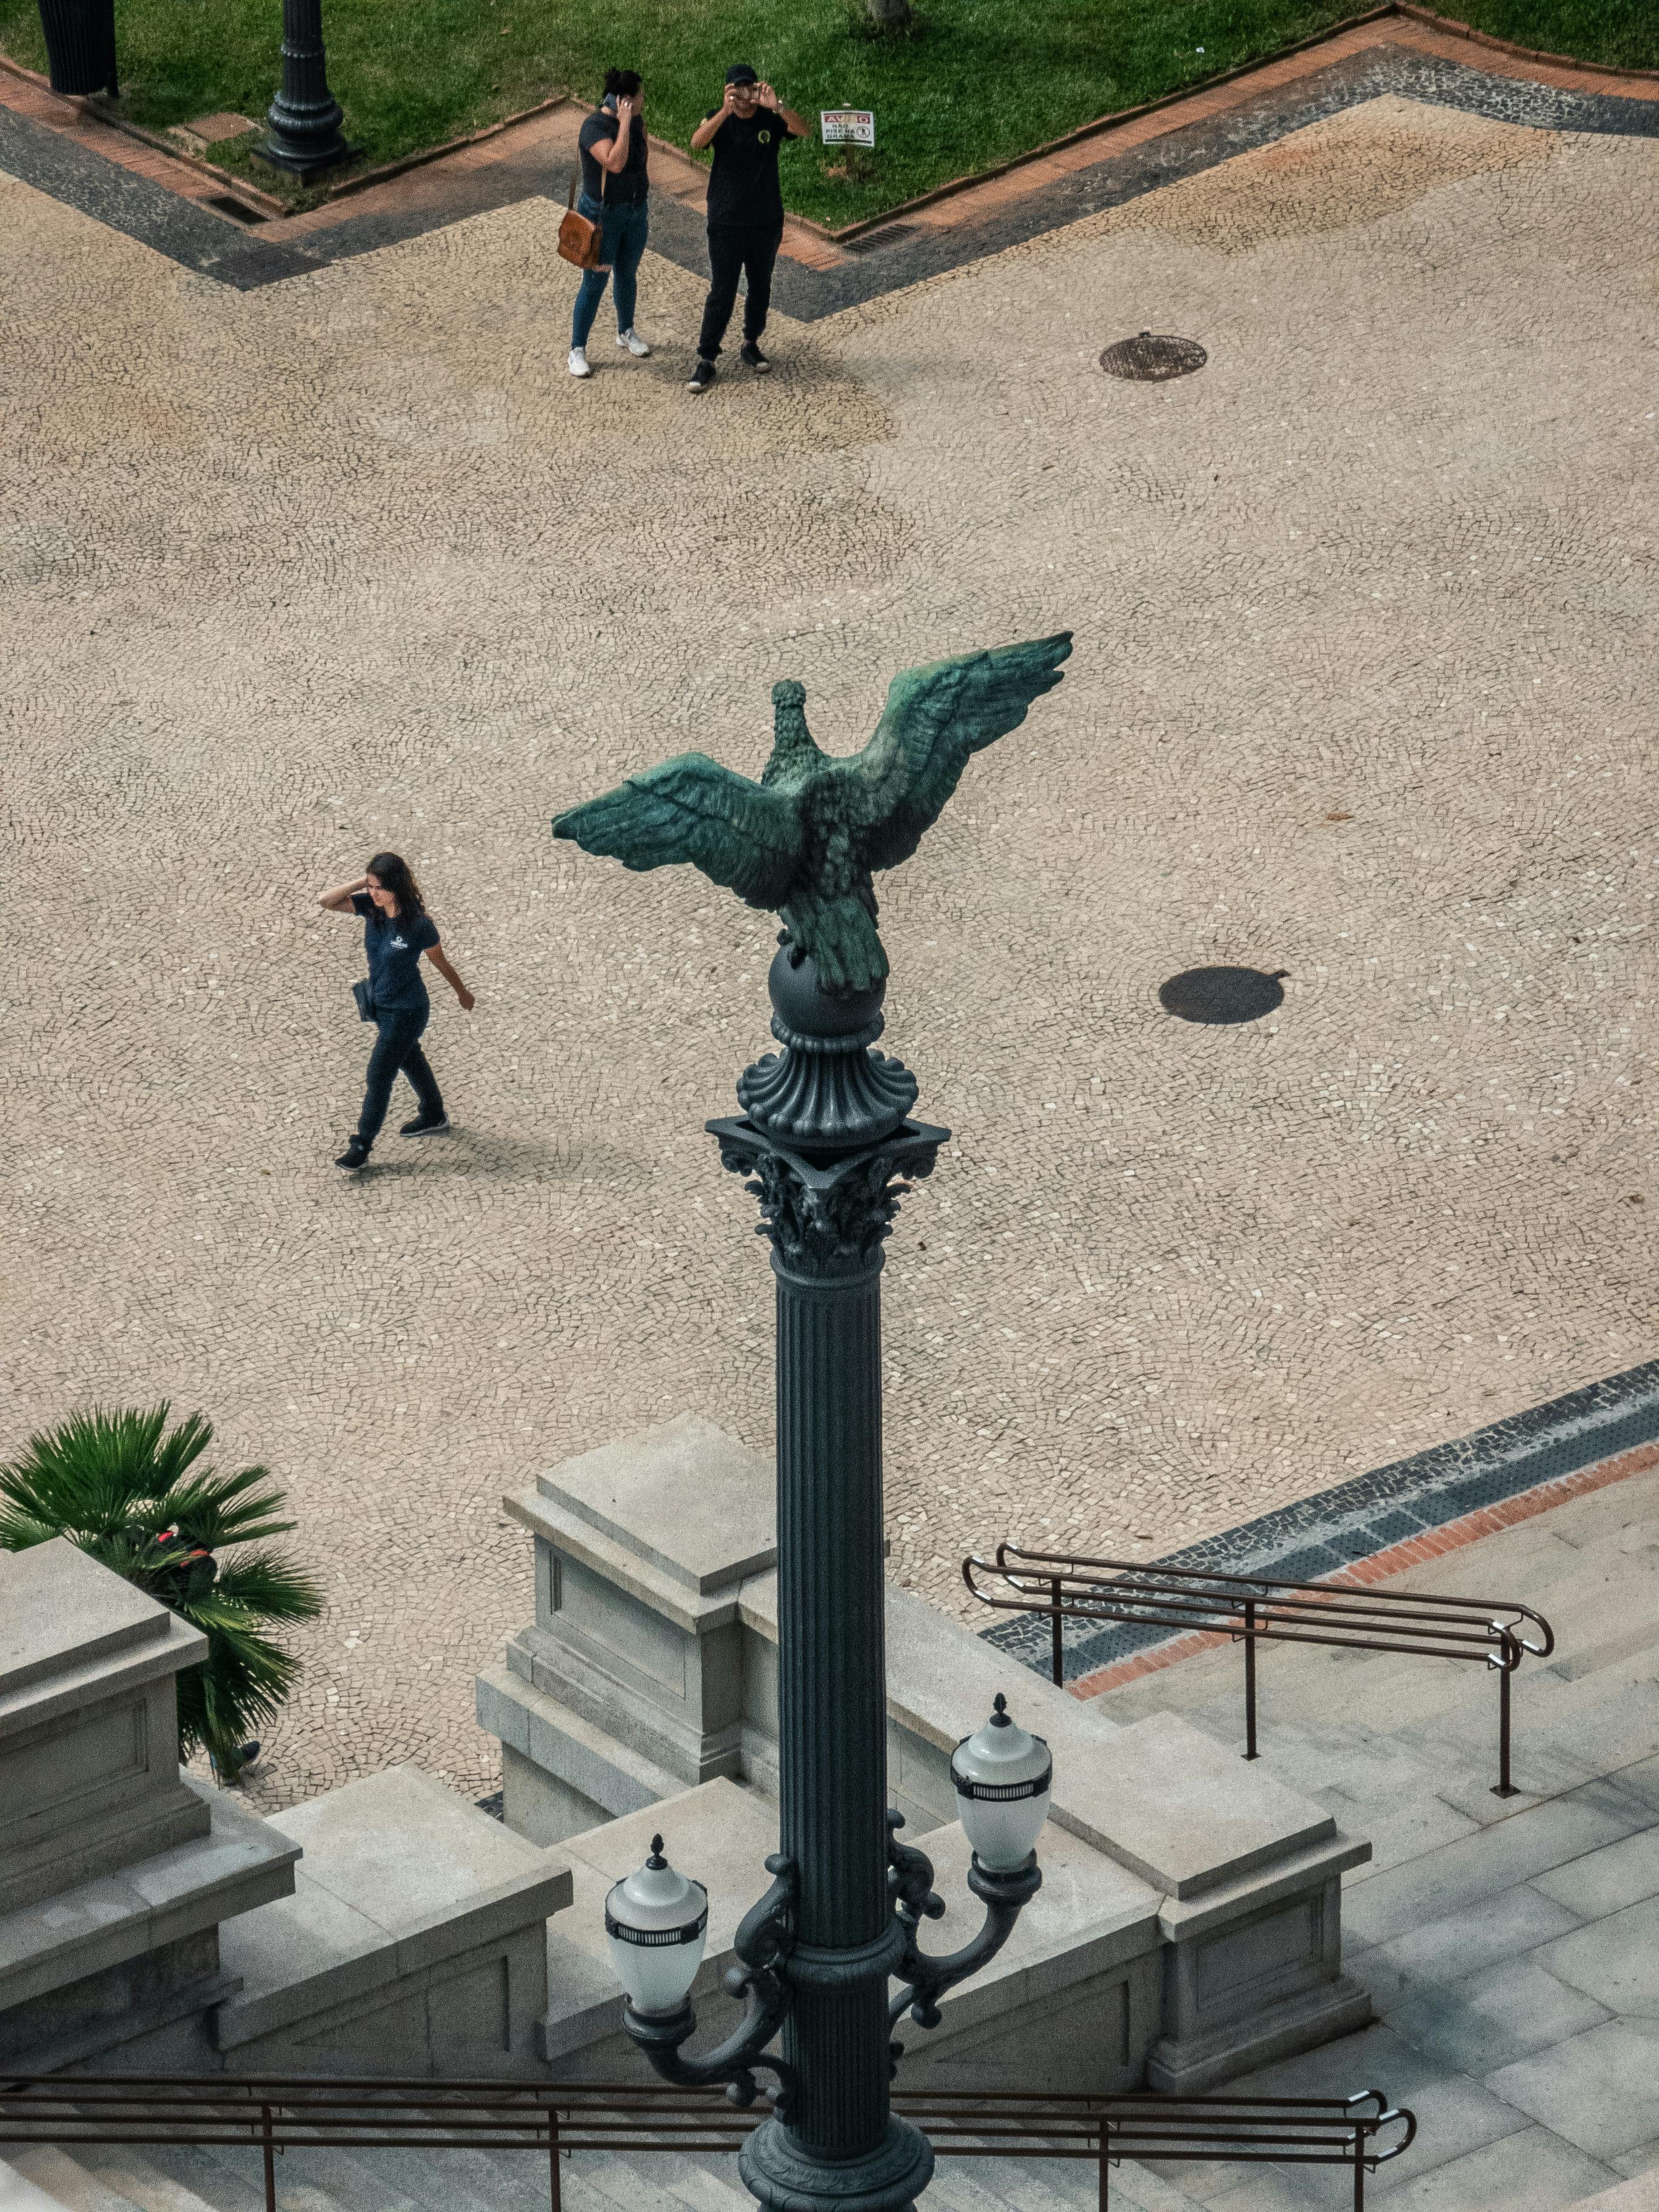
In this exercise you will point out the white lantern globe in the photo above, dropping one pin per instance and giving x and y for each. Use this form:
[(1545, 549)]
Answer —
[(656, 1923), (1003, 1777)]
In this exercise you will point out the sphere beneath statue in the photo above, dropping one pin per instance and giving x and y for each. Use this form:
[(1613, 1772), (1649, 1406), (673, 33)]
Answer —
[(802, 1006)]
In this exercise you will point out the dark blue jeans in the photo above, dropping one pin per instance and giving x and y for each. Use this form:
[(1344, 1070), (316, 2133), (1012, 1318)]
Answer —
[(622, 231), (398, 1046)]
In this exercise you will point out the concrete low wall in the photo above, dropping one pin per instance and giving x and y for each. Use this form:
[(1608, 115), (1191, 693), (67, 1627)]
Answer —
[(415, 1941)]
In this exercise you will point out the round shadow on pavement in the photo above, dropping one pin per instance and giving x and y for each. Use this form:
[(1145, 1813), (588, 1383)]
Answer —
[(1222, 994)]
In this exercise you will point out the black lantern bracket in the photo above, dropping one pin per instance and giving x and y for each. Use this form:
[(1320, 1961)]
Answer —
[(927, 1976), (764, 1939)]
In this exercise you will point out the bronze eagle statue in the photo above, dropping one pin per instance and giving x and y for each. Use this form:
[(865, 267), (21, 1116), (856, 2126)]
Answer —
[(804, 841)]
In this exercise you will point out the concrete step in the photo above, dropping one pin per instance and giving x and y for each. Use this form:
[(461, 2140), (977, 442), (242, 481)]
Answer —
[(18, 2194), (1639, 2194), (61, 2178), (1636, 1647), (162, 2180), (116, 2178), (307, 2181)]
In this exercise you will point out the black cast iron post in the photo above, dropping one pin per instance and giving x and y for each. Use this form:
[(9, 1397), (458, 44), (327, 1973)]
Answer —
[(827, 1146), (305, 116)]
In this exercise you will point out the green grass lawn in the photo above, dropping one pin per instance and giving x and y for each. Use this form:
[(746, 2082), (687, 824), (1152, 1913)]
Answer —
[(974, 83)]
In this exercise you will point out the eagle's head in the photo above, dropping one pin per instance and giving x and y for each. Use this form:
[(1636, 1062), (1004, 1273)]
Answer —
[(793, 751)]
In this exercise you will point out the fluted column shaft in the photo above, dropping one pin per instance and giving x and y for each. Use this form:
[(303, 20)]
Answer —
[(832, 1693)]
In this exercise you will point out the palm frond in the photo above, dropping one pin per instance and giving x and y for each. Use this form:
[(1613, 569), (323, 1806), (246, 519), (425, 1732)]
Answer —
[(19, 1530), (112, 1482), (91, 1474), (236, 1690), (207, 1506), (270, 1584)]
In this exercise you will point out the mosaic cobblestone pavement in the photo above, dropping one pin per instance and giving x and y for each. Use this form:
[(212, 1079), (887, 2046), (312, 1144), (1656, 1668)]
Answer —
[(1363, 691)]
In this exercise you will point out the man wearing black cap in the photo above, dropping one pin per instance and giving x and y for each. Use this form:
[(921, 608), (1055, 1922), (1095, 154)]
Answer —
[(747, 131)]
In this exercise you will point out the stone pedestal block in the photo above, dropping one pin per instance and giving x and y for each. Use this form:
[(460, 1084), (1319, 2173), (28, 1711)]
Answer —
[(115, 1869), (631, 1677), (90, 1777)]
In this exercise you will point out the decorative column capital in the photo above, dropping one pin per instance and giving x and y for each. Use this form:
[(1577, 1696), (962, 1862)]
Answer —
[(826, 1219)]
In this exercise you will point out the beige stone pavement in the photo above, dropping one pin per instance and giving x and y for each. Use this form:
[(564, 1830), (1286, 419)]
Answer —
[(1363, 690)]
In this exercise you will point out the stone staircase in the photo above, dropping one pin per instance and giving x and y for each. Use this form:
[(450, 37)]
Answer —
[(1404, 1749), (1510, 1946), (111, 2180)]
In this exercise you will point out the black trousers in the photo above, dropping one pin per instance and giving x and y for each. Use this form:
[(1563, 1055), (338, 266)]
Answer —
[(398, 1046), (734, 251)]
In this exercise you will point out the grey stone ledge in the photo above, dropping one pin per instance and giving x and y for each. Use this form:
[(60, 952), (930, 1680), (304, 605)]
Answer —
[(241, 1864), (1299, 2022), (68, 1688), (591, 1760), (59, 1608), (1183, 1920), (1182, 1810), (575, 1671), (663, 1592), (400, 1874), (669, 1498)]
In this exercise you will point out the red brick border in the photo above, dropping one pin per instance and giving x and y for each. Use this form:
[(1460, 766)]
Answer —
[(963, 201), (1430, 1545)]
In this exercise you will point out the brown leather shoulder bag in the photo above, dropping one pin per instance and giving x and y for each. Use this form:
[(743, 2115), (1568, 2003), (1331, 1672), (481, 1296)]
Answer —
[(580, 240)]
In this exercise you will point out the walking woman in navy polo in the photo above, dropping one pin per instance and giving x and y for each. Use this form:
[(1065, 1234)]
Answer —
[(397, 930)]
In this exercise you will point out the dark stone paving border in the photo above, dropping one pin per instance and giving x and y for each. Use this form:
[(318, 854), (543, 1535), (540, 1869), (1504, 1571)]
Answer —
[(207, 243), (1372, 1512)]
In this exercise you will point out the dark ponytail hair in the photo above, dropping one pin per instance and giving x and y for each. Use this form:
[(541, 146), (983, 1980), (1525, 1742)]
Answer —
[(393, 873), (623, 83)]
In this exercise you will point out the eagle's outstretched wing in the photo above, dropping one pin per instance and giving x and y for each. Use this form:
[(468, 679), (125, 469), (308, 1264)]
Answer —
[(935, 718), (691, 809)]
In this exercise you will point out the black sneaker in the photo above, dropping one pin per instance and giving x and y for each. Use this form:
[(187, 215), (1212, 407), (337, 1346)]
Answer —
[(701, 377), (356, 1154), (420, 1127), (752, 357)]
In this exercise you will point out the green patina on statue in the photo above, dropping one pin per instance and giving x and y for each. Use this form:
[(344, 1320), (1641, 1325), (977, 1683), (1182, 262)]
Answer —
[(804, 841)]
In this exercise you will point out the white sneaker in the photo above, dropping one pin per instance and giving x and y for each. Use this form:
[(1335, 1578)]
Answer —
[(579, 361), (635, 344)]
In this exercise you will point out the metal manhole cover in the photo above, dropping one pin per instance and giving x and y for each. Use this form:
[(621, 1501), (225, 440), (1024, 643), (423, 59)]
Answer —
[(1153, 358), (1222, 994)]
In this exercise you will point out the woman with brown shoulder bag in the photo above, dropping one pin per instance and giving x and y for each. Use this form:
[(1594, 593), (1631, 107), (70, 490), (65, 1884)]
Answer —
[(612, 146)]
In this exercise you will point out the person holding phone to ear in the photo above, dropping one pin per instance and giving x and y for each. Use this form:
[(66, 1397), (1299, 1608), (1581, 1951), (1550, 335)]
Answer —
[(612, 145), (748, 131)]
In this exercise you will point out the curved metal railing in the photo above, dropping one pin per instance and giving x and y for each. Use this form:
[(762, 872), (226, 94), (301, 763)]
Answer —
[(1254, 1608), (275, 2113)]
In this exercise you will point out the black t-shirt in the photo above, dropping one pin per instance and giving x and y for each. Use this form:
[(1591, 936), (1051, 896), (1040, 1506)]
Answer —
[(394, 950), (742, 185), (629, 184)]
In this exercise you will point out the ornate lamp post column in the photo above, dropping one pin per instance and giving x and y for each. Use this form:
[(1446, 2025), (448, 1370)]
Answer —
[(829, 1150), (305, 116), (826, 1145)]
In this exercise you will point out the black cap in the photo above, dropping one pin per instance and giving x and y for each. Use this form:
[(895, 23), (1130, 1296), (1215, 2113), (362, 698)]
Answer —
[(741, 73)]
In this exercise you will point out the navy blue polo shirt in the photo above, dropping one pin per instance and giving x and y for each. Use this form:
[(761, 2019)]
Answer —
[(394, 949)]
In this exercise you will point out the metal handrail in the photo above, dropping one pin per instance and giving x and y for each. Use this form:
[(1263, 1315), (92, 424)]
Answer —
[(276, 2114), (1252, 1608)]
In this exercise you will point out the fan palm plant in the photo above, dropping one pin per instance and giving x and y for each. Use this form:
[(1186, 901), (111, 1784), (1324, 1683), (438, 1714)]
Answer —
[(124, 1490)]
